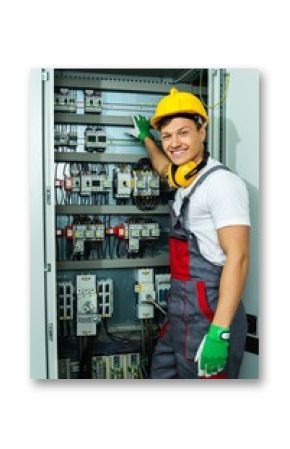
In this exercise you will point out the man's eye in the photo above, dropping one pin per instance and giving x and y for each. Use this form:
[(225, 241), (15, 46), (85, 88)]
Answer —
[(183, 133)]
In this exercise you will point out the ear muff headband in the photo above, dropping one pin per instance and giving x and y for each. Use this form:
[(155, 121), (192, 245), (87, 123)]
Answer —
[(171, 177), (183, 175)]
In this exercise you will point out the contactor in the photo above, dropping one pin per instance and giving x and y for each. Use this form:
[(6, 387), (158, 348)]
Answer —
[(95, 139)]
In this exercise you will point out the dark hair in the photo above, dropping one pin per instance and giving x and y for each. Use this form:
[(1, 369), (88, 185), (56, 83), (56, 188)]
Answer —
[(196, 118)]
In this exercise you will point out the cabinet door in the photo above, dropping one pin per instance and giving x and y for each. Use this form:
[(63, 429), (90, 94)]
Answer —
[(43, 357)]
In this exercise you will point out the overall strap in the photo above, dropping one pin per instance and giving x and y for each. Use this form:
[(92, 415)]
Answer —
[(199, 182)]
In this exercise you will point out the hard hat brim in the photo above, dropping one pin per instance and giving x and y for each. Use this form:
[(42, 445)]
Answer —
[(155, 120)]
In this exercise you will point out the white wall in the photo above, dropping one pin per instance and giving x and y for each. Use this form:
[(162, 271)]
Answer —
[(242, 156)]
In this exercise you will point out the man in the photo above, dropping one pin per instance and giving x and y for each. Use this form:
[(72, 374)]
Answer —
[(204, 334)]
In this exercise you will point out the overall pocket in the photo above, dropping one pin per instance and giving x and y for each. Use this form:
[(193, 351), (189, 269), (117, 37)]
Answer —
[(202, 301), (198, 313)]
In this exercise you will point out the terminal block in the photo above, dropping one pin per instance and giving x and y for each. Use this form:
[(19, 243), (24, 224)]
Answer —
[(105, 297), (99, 365), (65, 300), (68, 369), (65, 292), (116, 367), (132, 366)]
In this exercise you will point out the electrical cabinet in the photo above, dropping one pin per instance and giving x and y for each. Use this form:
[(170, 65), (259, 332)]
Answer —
[(100, 220)]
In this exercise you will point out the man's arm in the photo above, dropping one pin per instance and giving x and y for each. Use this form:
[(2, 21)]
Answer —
[(213, 352), (159, 161), (141, 131), (234, 241)]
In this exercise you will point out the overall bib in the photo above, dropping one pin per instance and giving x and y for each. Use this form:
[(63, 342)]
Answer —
[(192, 304)]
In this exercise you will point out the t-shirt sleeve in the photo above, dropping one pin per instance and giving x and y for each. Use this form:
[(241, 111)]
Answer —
[(228, 200)]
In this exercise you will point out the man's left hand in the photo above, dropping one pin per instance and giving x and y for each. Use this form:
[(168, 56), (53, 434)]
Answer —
[(141, 128), (213, 352)]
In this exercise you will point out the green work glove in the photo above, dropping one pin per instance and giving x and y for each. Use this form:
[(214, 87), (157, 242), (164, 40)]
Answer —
[(212, 354), (141, 128)]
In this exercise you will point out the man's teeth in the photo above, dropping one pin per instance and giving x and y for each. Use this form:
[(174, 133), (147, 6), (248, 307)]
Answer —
[(178, 152)]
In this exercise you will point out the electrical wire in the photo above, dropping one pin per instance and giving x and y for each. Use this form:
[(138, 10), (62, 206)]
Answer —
[(182, 76), (56, 188), (150, 300), (111, 336), (225, 92)]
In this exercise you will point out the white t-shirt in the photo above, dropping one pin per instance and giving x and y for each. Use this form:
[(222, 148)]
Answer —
[(221, 200)]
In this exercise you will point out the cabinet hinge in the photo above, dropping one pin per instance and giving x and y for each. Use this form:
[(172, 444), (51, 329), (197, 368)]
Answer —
[(44, 76), (50, 332), (47, 268), (48, 195)]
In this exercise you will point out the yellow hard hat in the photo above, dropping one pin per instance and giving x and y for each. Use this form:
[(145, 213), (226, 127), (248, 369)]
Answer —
[(177, 102)]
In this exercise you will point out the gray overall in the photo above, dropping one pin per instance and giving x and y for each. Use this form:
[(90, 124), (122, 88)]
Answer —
[(191, 306)]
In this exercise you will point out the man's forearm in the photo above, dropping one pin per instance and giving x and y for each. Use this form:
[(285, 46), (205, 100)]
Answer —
[(158, 159), (231, 287)]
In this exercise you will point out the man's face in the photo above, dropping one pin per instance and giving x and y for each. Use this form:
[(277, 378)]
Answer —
[(181, 141)]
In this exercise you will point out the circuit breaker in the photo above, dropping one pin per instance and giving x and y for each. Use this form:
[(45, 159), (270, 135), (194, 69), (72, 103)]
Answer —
[(87, 307), (146, 294), (93, 101), (162, 288), (123, 184), (65, 100)]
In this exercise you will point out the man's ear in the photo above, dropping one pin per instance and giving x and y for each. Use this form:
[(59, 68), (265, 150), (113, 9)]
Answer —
[(202, 132)]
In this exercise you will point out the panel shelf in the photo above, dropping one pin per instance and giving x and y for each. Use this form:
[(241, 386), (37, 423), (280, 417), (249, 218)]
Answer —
[(158, 261), (96, 157), (109, 210)]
